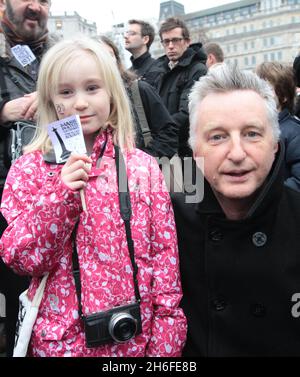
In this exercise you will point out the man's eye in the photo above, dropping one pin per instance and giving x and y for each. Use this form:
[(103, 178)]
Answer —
[(252, 134), (217, 137)]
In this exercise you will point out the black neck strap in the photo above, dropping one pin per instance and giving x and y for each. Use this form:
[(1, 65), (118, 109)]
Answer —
[(125, 211)]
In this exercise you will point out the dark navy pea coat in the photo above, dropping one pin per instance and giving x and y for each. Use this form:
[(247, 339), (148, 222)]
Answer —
[(241, 279)]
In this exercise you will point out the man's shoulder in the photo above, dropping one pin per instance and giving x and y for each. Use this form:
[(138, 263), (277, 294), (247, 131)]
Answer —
[(5, 61), (290, 128), (162, 62), (197, 68), (189, 68), (52, 39), (184, 204), (292, 197), (289, 206)]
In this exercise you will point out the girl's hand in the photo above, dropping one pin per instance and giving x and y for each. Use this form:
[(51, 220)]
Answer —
[(75, 172)]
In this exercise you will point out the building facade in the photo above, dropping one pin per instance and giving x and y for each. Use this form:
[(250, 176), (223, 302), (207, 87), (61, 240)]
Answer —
[(168, 8), (68, 25), (249, 31)]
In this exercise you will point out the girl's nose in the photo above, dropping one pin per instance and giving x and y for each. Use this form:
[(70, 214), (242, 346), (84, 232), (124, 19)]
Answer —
[(80, 103)]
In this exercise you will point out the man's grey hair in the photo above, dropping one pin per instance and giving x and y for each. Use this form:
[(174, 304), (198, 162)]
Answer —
[(224, 78)]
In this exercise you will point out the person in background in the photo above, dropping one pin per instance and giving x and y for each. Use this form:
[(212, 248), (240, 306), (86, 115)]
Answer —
[(127, 257), (164, 140), (24, 23), (214, 54), (176, 72), (138, 40), (296, 68), (281, 77)]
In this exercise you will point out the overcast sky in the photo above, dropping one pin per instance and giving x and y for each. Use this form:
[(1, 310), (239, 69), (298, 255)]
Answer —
[(107, 13)]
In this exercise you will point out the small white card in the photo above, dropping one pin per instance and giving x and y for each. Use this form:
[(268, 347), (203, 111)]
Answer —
[(23, 54), (67, 137)]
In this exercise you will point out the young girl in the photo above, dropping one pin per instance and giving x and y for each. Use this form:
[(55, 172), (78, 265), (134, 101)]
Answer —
[(109, 312)]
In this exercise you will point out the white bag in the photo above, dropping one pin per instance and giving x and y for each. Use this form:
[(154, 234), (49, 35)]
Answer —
[(28, 311)]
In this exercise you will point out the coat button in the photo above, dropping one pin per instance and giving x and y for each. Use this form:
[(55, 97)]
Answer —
[(43, 333), (219, 304), (259, 239), (216, 235), (258, 310)]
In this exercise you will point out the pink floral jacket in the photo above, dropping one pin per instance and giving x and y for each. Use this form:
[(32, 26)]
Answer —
[(41, 213)]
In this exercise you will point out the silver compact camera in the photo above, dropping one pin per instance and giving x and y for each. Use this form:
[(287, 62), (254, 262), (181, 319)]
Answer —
[(118, 325)]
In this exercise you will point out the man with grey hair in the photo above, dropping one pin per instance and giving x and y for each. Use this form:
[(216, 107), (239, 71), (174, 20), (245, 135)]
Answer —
[(240, 246)]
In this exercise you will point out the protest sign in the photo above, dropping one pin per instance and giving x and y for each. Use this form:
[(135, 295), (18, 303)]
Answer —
[(67, 137)]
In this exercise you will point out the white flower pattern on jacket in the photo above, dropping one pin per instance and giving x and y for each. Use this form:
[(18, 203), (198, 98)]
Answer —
[(41, 213)]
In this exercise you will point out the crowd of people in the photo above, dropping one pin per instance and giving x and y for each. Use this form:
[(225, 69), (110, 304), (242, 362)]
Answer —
[(148, 271)]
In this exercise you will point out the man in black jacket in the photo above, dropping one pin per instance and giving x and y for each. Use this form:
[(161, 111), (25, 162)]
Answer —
[(175, 73), (138, 40), (239, 247), (24, 25)]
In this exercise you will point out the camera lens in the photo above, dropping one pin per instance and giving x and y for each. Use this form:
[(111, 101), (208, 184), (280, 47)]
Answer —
[(122, 327)]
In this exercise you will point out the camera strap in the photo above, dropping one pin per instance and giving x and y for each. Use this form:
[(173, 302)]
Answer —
[(126, 212)]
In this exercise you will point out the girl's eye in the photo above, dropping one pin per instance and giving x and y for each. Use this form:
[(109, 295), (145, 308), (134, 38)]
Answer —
[(92, 88), (65, 92)]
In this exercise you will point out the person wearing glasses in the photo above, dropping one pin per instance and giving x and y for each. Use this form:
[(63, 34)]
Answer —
[(178, 69), (138, 40)]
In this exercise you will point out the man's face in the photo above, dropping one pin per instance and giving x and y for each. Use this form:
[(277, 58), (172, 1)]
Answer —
[(134, 39), (174, 44), (29, 17), (236, 140)]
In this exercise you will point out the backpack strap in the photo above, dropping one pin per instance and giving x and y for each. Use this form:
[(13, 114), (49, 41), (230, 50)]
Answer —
[(138, 104)]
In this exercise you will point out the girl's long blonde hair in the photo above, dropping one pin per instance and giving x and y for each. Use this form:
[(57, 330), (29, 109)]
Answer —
[(51, 67)]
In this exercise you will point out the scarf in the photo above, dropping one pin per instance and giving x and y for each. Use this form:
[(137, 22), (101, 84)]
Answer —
[(12, 38)]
